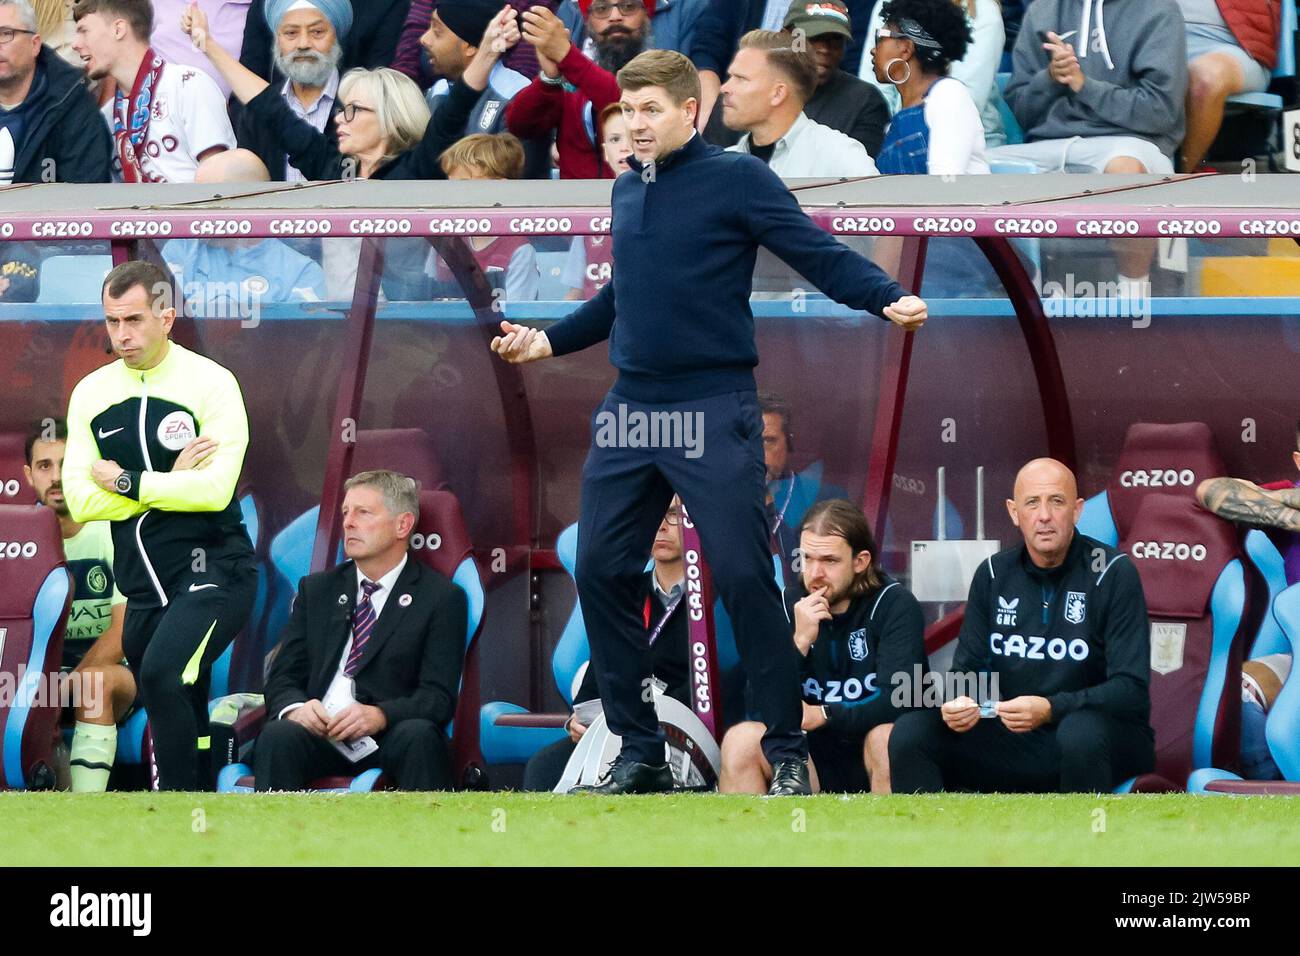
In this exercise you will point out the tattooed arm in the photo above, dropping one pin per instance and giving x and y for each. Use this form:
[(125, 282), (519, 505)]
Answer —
[(1235, 499)]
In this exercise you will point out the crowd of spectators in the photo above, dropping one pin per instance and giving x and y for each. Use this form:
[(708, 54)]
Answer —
[(1149, 96), (344, 89)]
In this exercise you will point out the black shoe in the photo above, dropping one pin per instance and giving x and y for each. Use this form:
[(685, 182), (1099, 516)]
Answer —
[(628, 776), (790, 779)]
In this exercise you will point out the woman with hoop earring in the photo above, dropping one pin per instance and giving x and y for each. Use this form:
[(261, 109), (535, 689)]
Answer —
[(938, 129)]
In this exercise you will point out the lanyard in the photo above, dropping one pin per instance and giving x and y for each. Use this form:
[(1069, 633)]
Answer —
[(654, 635), (789, 496)]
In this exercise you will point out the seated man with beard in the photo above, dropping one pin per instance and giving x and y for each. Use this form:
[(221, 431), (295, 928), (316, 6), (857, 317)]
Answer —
[(855, 629)]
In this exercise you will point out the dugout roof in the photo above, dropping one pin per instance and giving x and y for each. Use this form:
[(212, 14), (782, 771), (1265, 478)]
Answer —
[(897, 205)]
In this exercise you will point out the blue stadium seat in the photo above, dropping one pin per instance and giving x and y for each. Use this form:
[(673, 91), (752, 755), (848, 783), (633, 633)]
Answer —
[(133, 736), (441, 520), (1282, 728), (1265, 101), (516, 744), (1266, 558), (35, 596), (525, 734)]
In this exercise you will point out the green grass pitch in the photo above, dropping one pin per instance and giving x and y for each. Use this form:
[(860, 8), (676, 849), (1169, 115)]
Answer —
[(123, 829)]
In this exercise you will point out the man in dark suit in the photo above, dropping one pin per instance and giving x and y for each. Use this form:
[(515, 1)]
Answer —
[(370, 662)]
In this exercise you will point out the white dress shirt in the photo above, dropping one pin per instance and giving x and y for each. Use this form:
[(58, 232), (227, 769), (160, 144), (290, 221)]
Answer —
[(386, 584), (318, 115)]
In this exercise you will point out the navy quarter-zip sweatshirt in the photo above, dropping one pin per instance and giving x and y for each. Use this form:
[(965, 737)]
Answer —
[(685, 241), (1077, 634)]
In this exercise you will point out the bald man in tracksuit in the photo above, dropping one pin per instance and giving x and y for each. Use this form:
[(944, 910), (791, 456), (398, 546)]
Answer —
[(156, 443), (687, 224), (1062, 622)]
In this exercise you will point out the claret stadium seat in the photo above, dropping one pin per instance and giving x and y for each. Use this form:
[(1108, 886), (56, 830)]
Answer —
[(1155, 459), (14, 489), (35, 595), (1173, 460), (1282, 727), (441, 541), (1194, 579)]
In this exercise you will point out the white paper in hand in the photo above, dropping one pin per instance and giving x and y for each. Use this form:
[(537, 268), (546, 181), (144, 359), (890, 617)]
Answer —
[(339, 697), (586, 712)]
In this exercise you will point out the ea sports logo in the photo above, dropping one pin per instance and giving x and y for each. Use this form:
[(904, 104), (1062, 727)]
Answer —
[(176, 431), (429, 542), (11, 488), (17, 549), (1157, 478), (1168, 550)]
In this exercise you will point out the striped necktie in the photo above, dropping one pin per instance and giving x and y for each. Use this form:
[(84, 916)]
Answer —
[(363, 624)]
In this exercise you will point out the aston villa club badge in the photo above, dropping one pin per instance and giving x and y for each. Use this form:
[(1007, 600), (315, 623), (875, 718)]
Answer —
[(1076, 606)]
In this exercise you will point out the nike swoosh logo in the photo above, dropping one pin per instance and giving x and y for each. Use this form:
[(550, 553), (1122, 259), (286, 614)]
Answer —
[(104, 434), (200, 587)]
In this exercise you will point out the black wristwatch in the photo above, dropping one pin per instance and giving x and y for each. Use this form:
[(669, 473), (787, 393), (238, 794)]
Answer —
[(123, 483)]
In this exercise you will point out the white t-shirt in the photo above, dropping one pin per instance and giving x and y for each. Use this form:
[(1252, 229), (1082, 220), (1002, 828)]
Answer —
[(188, 116), (956, 133)]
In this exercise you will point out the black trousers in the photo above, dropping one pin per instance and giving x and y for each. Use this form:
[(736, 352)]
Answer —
[(626, 488), (171, 651), (545, 768), (414, 753), (1086, 752)]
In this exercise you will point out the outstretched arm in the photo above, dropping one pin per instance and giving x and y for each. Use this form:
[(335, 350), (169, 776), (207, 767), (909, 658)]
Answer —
[(1235, 499), (244, 83), (776, 221), (447, 125)]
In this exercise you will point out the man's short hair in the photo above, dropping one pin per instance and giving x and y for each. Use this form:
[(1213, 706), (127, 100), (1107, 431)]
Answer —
[(837, 516), (399, 492), (666, 68), (773, 403), (798, 65), (123, 278), (137, 13), (26, 15), (45, 429), (489, 155)]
